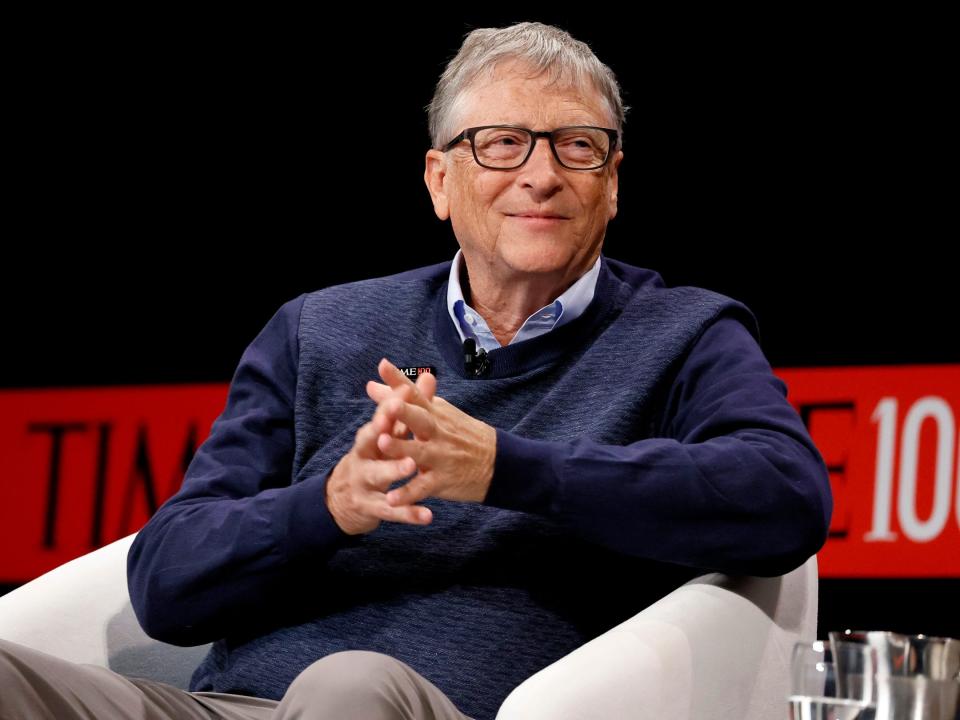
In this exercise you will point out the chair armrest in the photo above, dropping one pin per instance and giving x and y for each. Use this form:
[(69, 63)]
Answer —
[(81, 611), (717, 647)]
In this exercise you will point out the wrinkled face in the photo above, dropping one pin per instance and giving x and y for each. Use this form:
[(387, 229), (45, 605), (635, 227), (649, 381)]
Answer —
[(487, 207)]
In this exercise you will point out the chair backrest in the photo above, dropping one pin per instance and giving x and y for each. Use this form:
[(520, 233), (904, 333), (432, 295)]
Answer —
[(81, 611)]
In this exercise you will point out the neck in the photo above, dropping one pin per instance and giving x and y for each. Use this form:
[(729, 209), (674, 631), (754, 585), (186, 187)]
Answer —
[(511, 360), (505, 304)]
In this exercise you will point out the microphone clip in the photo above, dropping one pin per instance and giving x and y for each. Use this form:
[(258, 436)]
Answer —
[(475, 361)]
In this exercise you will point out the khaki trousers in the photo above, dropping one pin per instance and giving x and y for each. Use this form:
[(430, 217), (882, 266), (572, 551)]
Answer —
[(352, 685)]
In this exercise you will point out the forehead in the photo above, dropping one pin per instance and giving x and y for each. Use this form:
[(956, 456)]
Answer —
[(513, 97)]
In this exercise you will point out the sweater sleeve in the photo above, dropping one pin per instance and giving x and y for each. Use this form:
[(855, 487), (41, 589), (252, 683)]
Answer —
[(229, 541), (735, 484)]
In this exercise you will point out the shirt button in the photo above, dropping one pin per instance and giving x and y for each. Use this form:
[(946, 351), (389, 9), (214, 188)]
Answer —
[(469, 318)]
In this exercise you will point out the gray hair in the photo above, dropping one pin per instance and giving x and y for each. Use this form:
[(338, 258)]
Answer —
[(541, 47)]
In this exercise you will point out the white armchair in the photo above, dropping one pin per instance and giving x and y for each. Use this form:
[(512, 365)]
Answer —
[(81, 612), (716, 648)]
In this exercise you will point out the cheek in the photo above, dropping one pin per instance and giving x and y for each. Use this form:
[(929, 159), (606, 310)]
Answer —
[(592, 200), (488, 186), (470, 216), (601, 203), (480, 199)]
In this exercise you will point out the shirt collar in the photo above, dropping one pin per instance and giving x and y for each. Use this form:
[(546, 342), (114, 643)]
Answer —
[(568, 306)]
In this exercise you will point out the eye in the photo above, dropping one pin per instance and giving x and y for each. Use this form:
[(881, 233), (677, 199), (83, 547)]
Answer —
[(506, 139), (578, 142)]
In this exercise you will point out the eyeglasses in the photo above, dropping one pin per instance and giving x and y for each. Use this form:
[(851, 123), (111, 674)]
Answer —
[(507, 147)]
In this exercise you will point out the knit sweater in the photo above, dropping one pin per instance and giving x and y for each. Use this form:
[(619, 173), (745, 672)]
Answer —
[(641, 444)]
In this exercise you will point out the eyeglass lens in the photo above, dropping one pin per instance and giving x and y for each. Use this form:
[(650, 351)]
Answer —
[(505, 147)]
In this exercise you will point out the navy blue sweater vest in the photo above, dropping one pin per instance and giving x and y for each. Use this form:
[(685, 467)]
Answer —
[(639, 445)]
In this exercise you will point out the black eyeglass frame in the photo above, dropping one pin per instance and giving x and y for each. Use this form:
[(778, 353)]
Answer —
[(471, 132)]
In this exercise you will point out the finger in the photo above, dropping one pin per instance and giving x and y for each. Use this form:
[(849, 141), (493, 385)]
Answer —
[(391, 447), (410, 514), (378, 391), (427, 385), (421, 422), (378, 474), (419, 488), (400, 430), (374, 390), (396, 379), (389, 412), (365, 440)]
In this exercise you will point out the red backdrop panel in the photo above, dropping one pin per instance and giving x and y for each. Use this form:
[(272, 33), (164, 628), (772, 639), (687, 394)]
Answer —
[(83, 467), (889, 437)]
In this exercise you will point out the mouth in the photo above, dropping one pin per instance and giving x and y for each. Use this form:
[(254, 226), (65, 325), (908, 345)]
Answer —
[(538, 221), (537, 216)]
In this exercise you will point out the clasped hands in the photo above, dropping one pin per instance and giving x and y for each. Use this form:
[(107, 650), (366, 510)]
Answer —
[(411, 430)]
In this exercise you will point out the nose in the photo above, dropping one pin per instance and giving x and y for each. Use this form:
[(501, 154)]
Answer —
[(541, 146), (541, 172)]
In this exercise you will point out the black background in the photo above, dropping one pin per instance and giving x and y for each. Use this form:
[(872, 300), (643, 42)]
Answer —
[(176, 178)]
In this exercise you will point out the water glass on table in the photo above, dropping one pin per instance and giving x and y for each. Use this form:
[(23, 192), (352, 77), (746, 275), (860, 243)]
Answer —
[(917, 676), (832, 681)]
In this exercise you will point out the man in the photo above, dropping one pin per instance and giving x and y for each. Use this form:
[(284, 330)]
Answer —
[(357, 545)]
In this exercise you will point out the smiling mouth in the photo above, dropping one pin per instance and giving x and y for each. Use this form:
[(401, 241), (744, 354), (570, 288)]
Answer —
[(539, 223)]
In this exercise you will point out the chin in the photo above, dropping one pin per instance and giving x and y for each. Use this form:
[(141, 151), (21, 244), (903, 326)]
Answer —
[(538, 258)]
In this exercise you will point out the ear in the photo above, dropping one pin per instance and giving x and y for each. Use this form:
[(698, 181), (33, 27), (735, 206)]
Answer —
[(614, 183), (433, 176)]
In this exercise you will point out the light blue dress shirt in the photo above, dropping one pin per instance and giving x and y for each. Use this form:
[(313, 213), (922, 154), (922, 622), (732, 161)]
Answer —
[(565, 308)]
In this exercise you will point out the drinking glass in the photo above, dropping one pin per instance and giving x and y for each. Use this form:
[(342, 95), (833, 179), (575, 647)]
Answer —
[(832, 681), (917, 676)]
